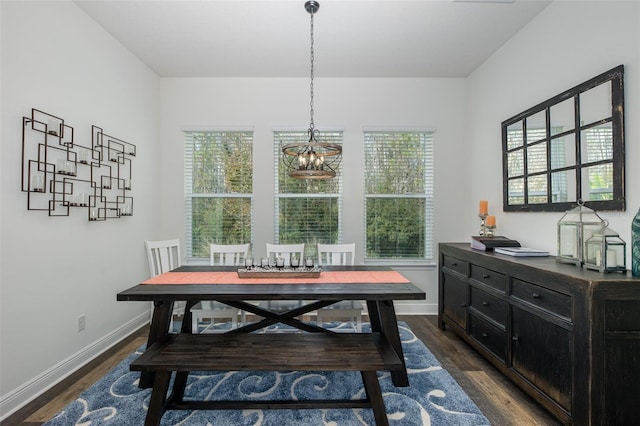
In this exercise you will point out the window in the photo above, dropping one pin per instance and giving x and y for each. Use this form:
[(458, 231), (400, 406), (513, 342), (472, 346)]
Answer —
[(398, 199), (306, 210), (218, 190)]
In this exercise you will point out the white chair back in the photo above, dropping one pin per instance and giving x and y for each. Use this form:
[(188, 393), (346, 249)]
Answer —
[(163, 256), (336, 254), (285, 251), (228, 254)]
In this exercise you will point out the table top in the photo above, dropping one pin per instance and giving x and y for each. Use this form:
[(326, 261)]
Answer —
[(275, 291)]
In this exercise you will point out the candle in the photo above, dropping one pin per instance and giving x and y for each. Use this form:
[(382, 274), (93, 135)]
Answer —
[(491, 221), (280, 262), (484, 207), (264, 262), (612, 258), (53, 126), (295, 262)]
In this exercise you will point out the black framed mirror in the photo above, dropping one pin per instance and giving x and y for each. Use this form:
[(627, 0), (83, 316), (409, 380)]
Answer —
[(568, 148)]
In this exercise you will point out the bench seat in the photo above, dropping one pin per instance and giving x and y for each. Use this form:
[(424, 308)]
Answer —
[(182, 353)]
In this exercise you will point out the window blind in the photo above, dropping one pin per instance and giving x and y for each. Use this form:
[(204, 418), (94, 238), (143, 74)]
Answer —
[(306, 210), (218, 189), (398, 199)]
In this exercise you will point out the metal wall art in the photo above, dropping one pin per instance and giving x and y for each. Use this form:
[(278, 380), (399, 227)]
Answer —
[(59, 174)]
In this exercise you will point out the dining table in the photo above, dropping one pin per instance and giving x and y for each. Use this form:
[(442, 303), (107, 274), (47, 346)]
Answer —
[(378, 286)]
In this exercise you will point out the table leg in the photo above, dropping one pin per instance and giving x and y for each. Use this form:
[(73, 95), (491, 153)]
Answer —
[(158, 331), (374, 316), (389, 328)]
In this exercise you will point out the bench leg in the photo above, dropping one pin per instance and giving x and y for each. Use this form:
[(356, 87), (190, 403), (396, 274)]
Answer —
[(158, 398), (372, 388), (179, 385)]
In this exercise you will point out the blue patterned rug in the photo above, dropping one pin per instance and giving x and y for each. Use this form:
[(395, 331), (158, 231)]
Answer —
[(434, 398)]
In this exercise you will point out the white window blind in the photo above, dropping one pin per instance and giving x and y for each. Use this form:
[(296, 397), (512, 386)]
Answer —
[(218, 190), (306, 210), (398, 199)]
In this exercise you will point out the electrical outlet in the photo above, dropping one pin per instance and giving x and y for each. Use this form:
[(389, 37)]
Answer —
[(82, 322)]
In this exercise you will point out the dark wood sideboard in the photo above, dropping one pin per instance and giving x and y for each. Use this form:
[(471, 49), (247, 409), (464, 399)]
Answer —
[(568, 337)]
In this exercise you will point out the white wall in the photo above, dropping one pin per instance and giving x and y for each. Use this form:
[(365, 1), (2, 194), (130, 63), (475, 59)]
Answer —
[(53, 269), (566, 44), (348, 104)]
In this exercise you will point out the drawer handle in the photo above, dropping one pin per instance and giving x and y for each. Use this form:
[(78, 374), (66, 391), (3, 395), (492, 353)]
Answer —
[(485, 303), (485, 276), (454, 263), (463, 305), (485, 335), (515, 338), (536, 296)]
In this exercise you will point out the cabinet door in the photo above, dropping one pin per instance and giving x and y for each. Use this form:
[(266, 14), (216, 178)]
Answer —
[(455, 299), (541, 353)]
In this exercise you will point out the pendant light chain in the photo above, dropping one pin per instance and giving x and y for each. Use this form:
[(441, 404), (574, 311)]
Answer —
[(312, 159), (311, 125)]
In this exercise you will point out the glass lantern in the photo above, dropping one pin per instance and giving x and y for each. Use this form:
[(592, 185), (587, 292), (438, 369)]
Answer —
[(605, 251), (574, 229)]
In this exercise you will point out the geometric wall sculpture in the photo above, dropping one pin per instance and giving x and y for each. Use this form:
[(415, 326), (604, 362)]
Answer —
[(59, 174)]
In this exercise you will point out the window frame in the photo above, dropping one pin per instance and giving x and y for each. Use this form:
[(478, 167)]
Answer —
[(427, 195), (190, 195), (337, 136)]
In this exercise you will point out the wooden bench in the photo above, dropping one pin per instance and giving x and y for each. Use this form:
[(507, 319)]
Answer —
[(367, 353)]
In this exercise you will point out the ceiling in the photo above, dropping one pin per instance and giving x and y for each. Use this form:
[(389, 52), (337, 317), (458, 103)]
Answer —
[(353, 38)]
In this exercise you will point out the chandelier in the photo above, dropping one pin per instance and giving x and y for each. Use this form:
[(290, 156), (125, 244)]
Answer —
[(312, 159)]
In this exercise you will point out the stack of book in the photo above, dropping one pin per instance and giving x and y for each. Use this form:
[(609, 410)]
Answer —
[(489, 243)]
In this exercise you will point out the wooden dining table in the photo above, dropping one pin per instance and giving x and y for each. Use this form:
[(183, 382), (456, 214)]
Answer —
[(378, 286)]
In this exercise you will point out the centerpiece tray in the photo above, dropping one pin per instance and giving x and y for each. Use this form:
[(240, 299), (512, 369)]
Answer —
[(273, 272)]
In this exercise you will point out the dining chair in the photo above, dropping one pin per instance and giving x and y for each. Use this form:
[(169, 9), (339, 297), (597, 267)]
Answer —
[(163, 256), (222, 255), (286, 251), (339, 254)]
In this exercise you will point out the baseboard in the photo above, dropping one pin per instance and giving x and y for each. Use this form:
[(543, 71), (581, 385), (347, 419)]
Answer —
[(417, 308), (26, 393)]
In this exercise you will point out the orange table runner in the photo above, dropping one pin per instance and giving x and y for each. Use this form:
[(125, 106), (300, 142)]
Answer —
[(326, 277)]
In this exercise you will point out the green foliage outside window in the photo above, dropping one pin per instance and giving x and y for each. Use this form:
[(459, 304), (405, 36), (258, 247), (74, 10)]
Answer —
[(219, 189)]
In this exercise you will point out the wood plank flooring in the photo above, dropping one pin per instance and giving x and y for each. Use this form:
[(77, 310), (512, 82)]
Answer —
[(500, 401)]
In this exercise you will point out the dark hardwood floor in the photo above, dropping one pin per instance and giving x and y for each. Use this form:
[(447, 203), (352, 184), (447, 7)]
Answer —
[(501, 401)]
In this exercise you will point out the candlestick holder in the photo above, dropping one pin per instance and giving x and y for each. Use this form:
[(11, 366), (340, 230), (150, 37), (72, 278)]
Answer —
[(483, 224), (490, 231)]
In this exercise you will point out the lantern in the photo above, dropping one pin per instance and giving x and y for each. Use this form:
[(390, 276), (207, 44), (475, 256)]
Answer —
[(605, 251), (574, 229)]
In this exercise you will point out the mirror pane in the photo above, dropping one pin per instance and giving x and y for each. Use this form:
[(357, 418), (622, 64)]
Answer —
[(516, 191), (536, 127), (596, 143), (563, 186), (597, 182), (537, 158), (515, 162), (562, 116), (563, 151), (595, 104), (537, 189), (515, 136)]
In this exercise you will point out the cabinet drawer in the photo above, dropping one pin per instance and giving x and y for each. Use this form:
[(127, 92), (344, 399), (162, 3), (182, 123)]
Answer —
[(489, 305), (492, 338), (552, 301), (489, 277), (460, 266)]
